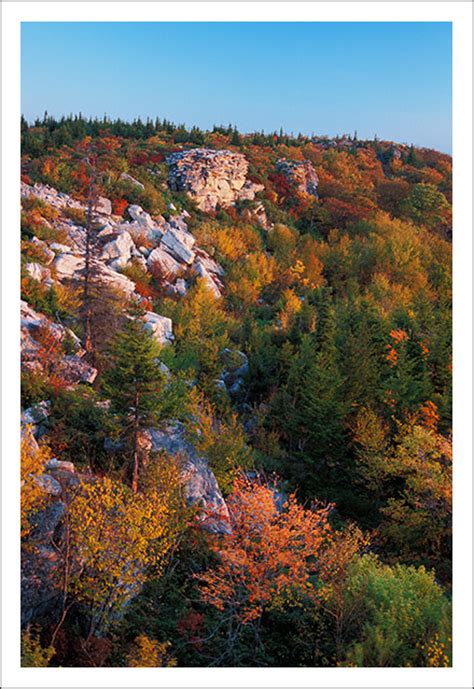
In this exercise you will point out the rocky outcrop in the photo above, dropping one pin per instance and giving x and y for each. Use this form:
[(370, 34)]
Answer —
[(49, 195), (39, 334), (202, 488), (301, 175), (165, 248), (211, 178)]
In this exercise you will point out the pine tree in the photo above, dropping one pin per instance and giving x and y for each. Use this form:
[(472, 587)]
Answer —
[(134, 384)]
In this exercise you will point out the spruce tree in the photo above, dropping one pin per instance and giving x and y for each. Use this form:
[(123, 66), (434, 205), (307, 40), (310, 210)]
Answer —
[(135, 385)]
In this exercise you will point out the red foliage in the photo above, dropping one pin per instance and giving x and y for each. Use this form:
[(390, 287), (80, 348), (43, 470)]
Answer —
[(119, 206)]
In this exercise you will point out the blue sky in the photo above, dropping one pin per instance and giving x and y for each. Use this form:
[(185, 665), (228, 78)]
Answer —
[(389, 79)]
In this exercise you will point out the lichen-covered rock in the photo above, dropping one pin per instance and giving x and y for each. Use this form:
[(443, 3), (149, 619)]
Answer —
[(202, 488), (211, 178), (301, 174)]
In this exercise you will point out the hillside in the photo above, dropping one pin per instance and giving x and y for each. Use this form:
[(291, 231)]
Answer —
[(236, 396)]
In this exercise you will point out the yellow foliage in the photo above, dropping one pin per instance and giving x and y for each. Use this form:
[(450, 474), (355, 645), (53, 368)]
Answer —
[(146, 652), (33, 654), (33, 459)]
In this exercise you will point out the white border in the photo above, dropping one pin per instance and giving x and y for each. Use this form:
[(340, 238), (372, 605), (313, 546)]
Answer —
[(460, 14)]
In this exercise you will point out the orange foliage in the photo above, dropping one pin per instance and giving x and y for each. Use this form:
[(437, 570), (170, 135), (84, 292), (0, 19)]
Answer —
[(270, 555)]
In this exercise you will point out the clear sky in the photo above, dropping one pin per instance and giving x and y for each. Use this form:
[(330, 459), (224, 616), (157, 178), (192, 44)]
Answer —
[(389, 79)]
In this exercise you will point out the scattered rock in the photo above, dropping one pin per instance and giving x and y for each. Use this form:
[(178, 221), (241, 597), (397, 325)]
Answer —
[(179, 289), (48, 484), (59, 465), (236, 368), (49, 195), (179, 244), (162, 265), (37, 413), (48, 254)]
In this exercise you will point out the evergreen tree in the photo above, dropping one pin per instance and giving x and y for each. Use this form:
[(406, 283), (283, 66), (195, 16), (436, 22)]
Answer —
[(135, 384)]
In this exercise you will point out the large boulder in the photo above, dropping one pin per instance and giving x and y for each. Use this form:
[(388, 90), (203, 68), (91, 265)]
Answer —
[(162, 265), (211, 178), (161, 327), (201, 486), (116, 281), (118, 250), (301, 174), (179, 243), (48, 255), (68, 266)]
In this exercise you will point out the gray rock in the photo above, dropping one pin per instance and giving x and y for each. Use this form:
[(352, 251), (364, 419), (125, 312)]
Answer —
[(38, 272), (37, 413), (160, 326), (58, 465), (103, 206), (128, 178), (301, 174), (48, 254), (74, 370), (178, 243), (162, 265), (211, 177), (48, 484), (68, 266), (118, 250), (179, 289), (201, 486)]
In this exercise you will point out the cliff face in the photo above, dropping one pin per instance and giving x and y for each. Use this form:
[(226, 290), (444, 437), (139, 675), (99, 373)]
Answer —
[(211, 178), (301, 175)]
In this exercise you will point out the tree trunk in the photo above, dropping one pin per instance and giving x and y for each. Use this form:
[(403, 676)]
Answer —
[(136, 454)]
